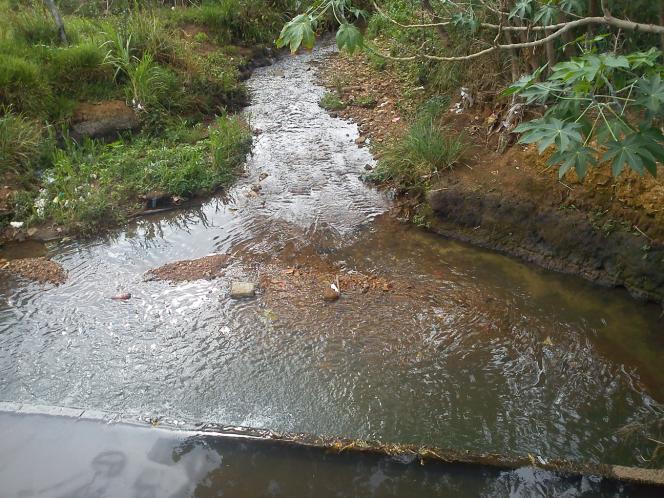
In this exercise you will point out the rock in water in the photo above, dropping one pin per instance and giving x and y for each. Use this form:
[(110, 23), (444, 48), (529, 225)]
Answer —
[(330, 295), (241, 290), (122, 297)]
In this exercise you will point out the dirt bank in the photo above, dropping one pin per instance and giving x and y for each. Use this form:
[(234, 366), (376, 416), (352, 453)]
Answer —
[(40, 269), (607, 230), (206, 268)]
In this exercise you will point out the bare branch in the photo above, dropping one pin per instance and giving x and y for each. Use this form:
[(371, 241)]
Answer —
[(611, 21)]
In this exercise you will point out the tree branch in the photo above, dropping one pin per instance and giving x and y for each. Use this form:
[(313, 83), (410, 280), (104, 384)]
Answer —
[(611, 21)]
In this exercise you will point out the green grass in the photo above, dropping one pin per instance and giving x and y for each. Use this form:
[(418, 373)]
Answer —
[(331, 102), (20, 144), (412, 162), (95, 184), (138, 55), (228, 21)]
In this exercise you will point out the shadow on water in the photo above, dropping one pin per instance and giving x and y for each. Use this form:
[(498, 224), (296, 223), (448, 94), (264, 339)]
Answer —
[(474, 351), (58, 457)]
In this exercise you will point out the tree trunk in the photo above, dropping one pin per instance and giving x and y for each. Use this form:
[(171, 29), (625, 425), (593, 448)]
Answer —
[(58, 20), (661, 22), (593, 10)]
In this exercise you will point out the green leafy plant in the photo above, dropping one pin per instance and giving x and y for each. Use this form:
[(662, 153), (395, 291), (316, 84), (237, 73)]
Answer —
[(601, 108), (300, 31)]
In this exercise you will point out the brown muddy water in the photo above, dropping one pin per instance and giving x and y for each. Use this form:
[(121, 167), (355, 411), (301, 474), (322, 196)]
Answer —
[(468, 349)]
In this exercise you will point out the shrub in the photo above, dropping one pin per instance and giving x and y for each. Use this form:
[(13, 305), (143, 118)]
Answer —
[(20, 143)]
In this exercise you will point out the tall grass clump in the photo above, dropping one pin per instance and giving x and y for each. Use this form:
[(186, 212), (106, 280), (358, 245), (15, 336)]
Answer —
[(411, 163), (22, 85), (20, 143), (71, 68), (230, 142)]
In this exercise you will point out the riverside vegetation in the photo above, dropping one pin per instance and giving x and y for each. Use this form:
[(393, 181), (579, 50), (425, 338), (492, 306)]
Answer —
[(528, 126), (179, 69)]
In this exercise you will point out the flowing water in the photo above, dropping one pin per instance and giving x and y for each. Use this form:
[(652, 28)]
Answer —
[(467, 349)]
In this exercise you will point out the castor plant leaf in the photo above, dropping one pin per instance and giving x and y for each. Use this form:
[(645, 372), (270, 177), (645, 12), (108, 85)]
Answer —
[(298, 32), (349, 37)]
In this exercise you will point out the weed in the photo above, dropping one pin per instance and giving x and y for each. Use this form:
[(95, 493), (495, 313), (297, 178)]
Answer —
[(201, 37), (22, 85), (366, 101), (92, 183), (331, 102)]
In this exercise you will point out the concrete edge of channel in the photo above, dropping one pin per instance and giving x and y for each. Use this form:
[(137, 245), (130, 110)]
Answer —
[(405, 453)]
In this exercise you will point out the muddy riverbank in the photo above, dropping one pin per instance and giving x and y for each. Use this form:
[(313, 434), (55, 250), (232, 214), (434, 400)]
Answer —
[(607, 230)]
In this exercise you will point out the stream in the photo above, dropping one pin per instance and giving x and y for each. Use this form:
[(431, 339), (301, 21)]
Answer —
[(476, 351)]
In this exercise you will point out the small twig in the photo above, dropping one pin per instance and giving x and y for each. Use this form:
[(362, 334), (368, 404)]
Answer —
[(565, 185), (641, 232)]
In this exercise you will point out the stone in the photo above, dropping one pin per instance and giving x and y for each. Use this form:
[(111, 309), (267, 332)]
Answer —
[(103, 120), (330, 295), (240, 290), (360, 140)]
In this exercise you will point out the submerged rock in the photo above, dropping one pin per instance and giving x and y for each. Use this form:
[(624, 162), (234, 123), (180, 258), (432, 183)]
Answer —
[(241, 290), (330, 294)]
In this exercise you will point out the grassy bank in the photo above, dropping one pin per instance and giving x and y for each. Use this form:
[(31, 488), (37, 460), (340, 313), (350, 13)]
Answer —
[(178, 69)]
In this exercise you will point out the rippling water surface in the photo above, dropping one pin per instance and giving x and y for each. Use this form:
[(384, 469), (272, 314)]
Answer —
[(479, 351)]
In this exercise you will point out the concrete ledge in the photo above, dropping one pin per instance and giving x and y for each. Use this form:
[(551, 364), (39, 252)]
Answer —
[(405, 453)]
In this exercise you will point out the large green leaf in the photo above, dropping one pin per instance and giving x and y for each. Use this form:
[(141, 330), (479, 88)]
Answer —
[(651, 93), (630, 151), (349, 37), (583, 68), (523, 82), (546, 15), (652, 140), (521, 9), (644, 59), (298, 32), (547, 132), (570, 6), (578, 157)]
